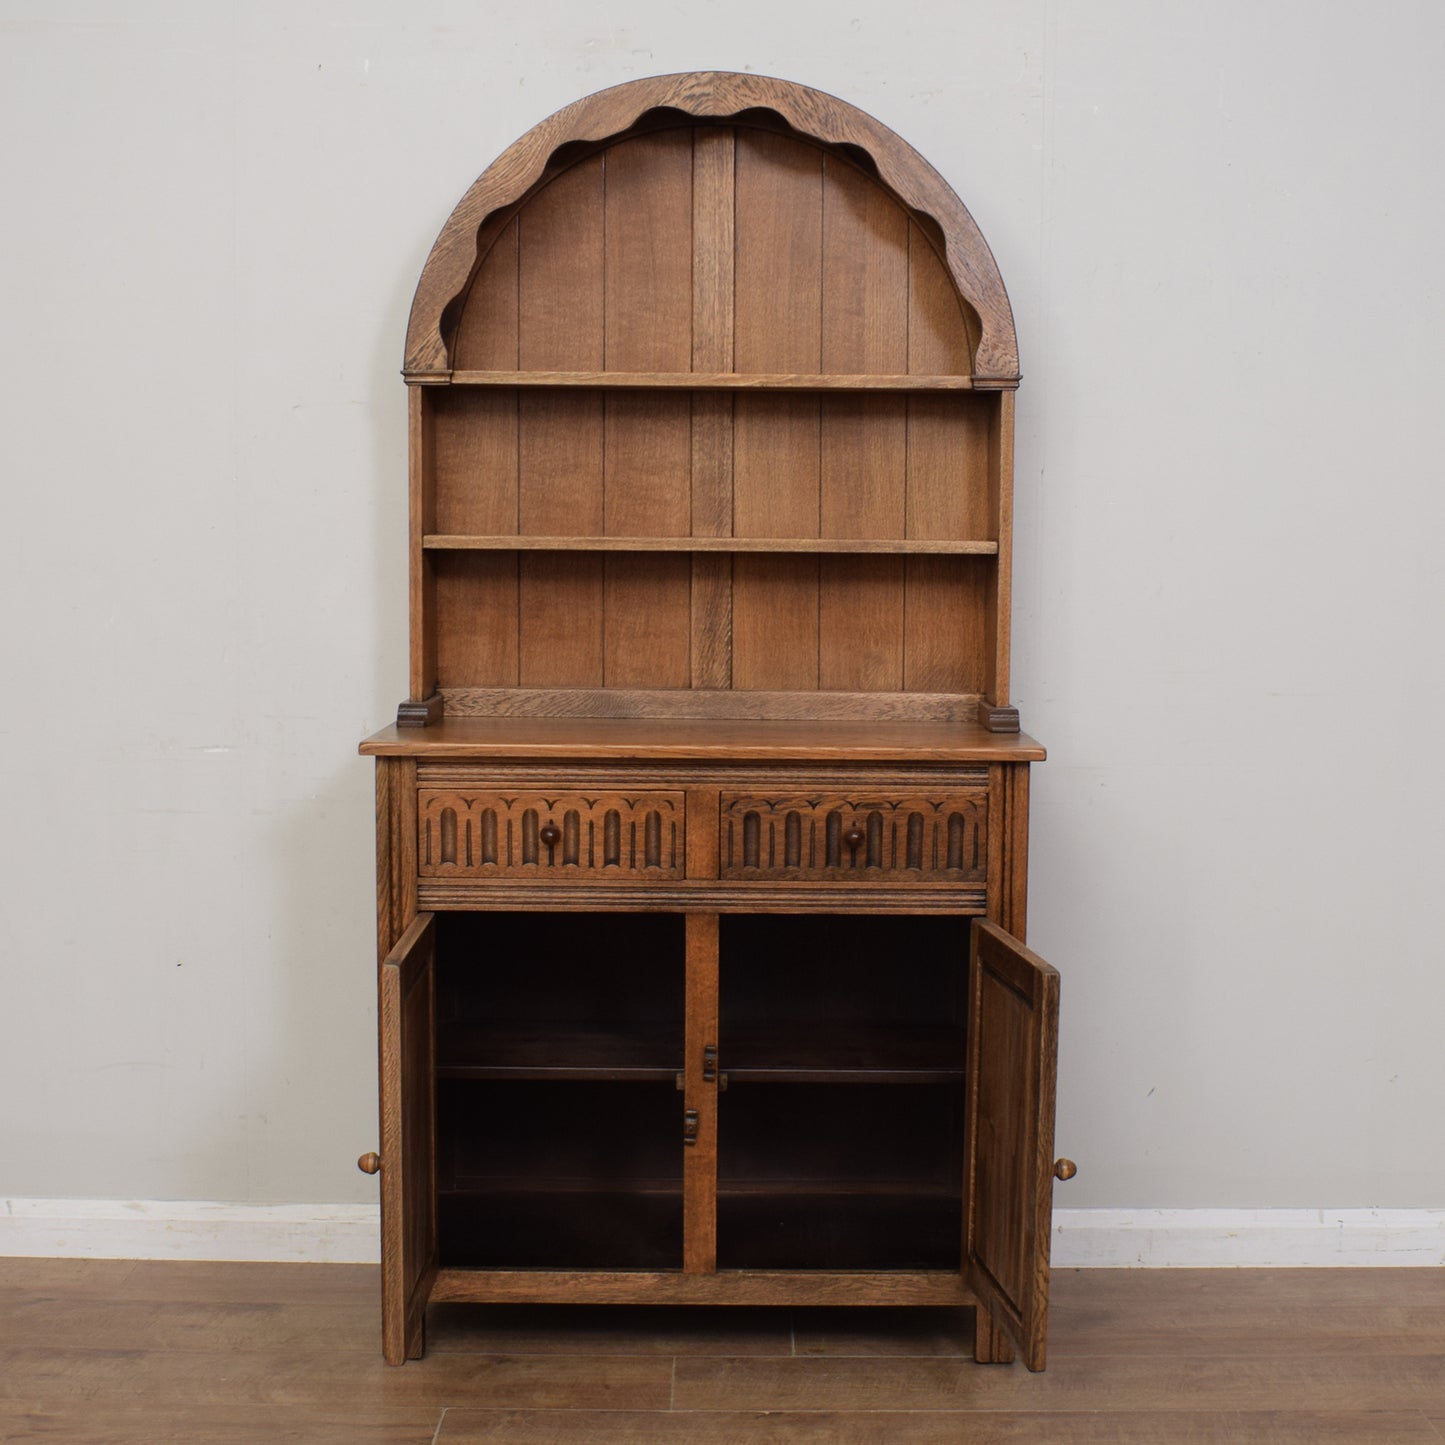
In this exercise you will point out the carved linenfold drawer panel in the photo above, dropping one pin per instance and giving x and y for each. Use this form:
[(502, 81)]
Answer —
[(918, 838), (549, 835)]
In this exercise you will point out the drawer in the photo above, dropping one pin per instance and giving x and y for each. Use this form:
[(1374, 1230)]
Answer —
[(914, 837), (550, 836)]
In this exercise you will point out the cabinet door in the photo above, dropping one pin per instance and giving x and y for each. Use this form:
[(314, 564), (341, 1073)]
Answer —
[(1009, 1140), (408, 1111)]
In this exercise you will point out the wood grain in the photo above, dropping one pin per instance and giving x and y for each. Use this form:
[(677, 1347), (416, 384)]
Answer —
[(487, 334), (854, 546), (1009, 1135), (477, 621), (408, 1180), (476, 461), (1000, 598), (560, 602), (713, 94), (1109, 1383), (705, 379), (421, 516), (860, 624), (727, 1287), (775, 623), (996, 1427), (647, 622), (700, 1159), (648, 245), (777, 305), (125, 1351), (741, 740), (711, 476)]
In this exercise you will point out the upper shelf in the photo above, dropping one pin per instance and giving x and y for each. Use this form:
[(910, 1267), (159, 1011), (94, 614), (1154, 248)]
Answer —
[(515, 542), (713, 380)]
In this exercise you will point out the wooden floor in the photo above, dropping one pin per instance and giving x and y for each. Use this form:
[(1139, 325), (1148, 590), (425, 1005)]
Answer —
[(109, 1350)]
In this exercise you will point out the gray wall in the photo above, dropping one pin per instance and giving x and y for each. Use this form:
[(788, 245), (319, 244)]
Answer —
[(1220, 227)]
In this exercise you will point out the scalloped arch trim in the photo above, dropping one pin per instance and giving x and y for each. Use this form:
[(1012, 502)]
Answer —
[(716, 96)]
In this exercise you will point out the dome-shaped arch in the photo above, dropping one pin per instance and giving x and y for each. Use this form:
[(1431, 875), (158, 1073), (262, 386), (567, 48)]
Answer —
[(603, 119)]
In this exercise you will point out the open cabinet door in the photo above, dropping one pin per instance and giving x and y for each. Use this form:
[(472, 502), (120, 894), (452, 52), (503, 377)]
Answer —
[(1009, 1140), (408, 1139)]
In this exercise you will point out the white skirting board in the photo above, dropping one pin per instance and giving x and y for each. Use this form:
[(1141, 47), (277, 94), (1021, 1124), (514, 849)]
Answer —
[(1088, 1238), (189, 1229), (1247, 1238)]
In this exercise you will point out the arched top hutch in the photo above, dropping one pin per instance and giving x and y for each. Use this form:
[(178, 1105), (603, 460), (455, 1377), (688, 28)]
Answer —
[(702, 835)]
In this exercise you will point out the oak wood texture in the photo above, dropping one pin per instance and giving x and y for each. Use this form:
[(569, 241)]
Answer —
[(408, 1185), (711, 417), (709, 380), (700, 1085), (724, 1287), (716, 380), (1013, 1049), (707, 97), (687, 739), (440, 542)]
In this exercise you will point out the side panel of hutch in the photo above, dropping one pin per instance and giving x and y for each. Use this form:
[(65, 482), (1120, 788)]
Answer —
[(702, 834)]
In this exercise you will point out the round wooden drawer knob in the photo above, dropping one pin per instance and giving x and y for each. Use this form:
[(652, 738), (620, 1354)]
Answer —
[(369, 1163), (1065, 1168), (854, 836), (550, 834)]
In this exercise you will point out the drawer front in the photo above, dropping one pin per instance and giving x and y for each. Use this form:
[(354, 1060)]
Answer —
[(855, 837), (548, 836)]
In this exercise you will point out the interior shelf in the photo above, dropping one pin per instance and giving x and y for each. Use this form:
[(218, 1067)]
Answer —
[(715, 380), (624, 1051), (559, 1228), (530, 542), (800, 1229), (863, 1052)]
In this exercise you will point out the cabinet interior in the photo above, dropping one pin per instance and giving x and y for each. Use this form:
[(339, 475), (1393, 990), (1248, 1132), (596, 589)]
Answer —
[(560, 1042)]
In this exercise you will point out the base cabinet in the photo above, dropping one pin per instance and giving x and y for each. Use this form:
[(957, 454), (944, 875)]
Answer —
[(692, 1104)]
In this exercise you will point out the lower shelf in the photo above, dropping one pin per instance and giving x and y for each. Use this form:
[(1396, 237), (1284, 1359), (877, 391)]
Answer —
[(836, 1229), (568, 1229), (726, 1287)]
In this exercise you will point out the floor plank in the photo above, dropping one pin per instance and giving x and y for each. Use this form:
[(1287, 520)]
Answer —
[(158, 1424), (188, 1325), (1098, 1382), (884, 1332), (332, 1379), (216, 1281), (118, 1353), (492, 1427)]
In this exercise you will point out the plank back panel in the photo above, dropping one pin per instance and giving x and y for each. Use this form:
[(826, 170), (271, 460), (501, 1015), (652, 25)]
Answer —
[(715, 247), (487, 331), (864, 440), (775, 623), (475, 450), (476, 618)]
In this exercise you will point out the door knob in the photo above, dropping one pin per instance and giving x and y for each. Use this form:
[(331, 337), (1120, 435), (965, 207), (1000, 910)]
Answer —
[(369, 1163), (1065, 1168)]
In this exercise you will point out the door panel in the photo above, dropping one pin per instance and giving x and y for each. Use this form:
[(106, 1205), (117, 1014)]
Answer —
[(408, 1123), (1013, 1048)]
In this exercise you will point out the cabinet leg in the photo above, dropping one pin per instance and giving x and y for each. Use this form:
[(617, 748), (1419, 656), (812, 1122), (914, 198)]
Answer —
[(416, 1335), (990, 1346)]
